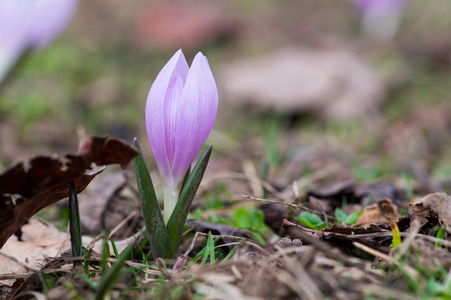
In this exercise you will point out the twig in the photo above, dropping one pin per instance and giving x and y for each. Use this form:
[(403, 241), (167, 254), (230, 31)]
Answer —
[(295, 206), (28, 274), (300, 281), (191, 245), (228, 244), (115, 229), (408, 270), (236, 175), (227, 237), (428, 238), (321, 246), (122, 223), (382, 292)]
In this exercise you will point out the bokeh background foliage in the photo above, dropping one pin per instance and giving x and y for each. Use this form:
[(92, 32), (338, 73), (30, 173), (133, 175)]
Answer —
[(94, 79)]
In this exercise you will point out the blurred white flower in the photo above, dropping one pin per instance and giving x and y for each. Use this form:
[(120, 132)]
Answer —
[(381, 18), (30, 24)]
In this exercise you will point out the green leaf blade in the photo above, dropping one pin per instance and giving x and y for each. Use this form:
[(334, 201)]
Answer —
[(311, 220), (180, 213), (75, 224), (156, 229)]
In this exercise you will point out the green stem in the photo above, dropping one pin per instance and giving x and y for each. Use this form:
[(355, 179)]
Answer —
[(156, 229), (170, 201)]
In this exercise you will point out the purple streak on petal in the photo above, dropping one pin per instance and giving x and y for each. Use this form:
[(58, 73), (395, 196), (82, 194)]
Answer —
[(171, 106), (196, 115), (156, 109)]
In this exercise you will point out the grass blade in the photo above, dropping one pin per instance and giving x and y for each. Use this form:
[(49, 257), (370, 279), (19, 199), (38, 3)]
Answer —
[(113, 245), (86, 266), (264, 176), (178, 218), (211, 249), (203, 252), (156, 229), (74, 224), (232, 252), (110, 276), (105, 255)]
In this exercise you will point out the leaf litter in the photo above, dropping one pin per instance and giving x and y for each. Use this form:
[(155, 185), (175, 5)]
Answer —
[(338, 262), (341, 261), (26, 189)]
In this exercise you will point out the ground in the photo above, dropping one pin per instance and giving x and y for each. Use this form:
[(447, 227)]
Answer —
[(282, 157)]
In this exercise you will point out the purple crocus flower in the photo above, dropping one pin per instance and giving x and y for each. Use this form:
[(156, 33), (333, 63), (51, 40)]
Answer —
[(30, 24), (180, 112)]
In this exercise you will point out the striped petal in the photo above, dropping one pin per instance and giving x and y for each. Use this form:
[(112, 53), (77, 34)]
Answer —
[(195, 115), (165, 90)]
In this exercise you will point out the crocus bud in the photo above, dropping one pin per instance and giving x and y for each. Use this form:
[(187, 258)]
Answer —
[(30, 24), (180, 112)]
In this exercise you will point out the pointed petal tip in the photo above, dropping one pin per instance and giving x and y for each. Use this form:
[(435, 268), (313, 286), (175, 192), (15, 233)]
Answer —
[(179, 54), (199, 55), (200, 59)]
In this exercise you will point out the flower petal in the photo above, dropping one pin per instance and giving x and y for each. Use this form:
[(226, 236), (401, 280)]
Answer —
[(171, 108), (28, 24), (196, 116), (51, 17), (163, 88)]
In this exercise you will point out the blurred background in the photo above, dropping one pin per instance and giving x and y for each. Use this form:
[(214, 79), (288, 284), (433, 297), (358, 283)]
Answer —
[(360, 89)]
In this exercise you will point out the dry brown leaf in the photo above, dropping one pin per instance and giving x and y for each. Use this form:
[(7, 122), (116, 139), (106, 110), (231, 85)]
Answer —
[(331, 82), (430, 207), (94, 201), (41, 240), (381, 212), (26, 189)]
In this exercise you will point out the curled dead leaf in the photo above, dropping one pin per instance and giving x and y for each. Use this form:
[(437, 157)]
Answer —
[(381, 212), (432, 209), (26, 189)]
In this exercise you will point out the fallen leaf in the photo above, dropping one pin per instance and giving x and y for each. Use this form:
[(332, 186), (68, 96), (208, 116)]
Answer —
[(432, 209), (94, 201), (219, 229), (335, 83), (296, 231), (41, 240), (381, 212), (34, 281), (106, 151), (26, 189), (340, 236)]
